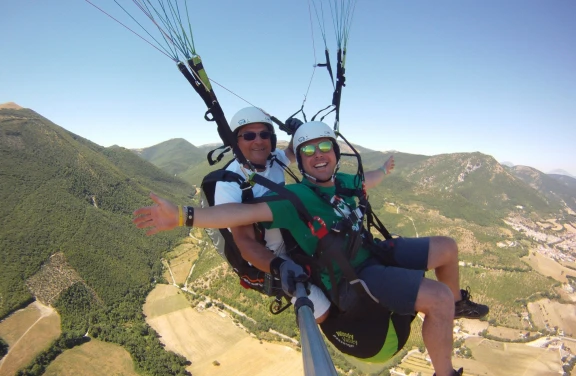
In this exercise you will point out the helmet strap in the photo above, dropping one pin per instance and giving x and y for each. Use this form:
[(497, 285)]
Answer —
[(259, 166)]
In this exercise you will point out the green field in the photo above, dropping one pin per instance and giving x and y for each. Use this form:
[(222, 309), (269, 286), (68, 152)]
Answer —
[(165, 301), (94, 358)]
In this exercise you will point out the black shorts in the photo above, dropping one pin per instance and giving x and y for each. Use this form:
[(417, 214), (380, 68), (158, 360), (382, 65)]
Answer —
[(395, 277)]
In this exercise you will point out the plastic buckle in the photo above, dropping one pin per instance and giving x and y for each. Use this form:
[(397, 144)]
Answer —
[(322, 231), (338, 227), (250, 177)]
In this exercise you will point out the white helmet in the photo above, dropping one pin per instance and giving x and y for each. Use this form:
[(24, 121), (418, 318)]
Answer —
[(250, 115), (313, 130)]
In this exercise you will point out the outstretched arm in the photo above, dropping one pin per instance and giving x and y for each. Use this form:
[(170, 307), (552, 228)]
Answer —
[(291, 124), (290, 152), (375, 177), (164, 215)]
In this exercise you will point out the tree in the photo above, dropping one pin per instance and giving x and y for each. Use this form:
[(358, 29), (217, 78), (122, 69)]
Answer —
[(3, 348)]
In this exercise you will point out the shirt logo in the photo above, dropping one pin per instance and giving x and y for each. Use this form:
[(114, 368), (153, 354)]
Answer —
[(341, 209)]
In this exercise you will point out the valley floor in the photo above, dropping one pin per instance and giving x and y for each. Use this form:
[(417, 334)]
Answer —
[(212, 342)]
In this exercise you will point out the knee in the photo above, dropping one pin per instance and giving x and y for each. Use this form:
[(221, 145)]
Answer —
[(446, 244), (435, 298), (443, 296)]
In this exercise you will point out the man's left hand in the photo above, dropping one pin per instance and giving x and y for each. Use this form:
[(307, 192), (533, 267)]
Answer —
[(388, 166), (291, 125)]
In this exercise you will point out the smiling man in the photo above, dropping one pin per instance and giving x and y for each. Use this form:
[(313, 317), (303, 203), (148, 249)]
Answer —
[(257, 142)]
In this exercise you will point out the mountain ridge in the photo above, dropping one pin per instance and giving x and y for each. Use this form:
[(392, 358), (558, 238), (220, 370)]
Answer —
[(459, 177), (10, 106), (171, 144), (559, 171)]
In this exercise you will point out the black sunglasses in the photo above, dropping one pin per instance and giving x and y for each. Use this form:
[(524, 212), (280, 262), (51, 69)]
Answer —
[(251, 136)]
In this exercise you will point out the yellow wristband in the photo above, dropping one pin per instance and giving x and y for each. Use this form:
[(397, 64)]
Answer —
[(180, 216)]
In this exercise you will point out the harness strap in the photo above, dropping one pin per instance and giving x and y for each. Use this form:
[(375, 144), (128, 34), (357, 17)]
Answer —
[(211, 161), (286, 169), (226, 176), (330, 251), (285, 194), (373, 221), (340, 83), (198, 78)]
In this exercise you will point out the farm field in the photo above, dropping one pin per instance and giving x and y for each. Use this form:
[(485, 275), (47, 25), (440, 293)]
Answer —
[(94, 358), (566, 293), (569, 264), (492, 358), (503, 359), (472, 327), (180, 260), (27, 332), (415, 362), (546, 313), (506, 333), (209, 336), (549, 267)]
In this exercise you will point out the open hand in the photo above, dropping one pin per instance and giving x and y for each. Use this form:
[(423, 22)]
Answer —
[(160, 217), (388, 165)]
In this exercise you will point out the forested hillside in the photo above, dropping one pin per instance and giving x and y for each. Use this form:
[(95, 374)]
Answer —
[(554, 187), (173, 156), (63, 194), (470, 186)]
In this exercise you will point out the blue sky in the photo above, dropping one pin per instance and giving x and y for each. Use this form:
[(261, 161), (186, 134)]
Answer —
[(423, 77)]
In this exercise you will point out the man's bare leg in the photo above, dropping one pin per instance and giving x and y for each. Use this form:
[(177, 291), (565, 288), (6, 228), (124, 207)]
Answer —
[(435, 300), (443, 258)]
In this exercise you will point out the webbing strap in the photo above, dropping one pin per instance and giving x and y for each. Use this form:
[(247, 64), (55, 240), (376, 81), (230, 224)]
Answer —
[(340, 83), (280, 125), (360, 170), (286, 194), (286, 169), (211, 161), (201, 84), (373, 221), (330, 251), (209, 184)]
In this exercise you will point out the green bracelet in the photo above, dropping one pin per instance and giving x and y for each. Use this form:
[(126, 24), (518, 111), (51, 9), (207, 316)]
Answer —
[(381, 168)]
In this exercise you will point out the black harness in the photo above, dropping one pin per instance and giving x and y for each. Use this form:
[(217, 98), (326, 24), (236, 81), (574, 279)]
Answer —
[(361, 329), (366, 322)]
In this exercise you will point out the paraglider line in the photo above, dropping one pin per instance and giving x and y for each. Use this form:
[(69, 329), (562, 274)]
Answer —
[(231, 92), (138, 35)]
